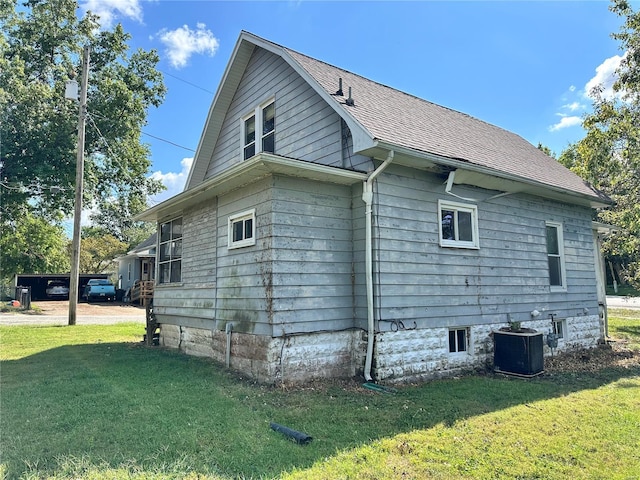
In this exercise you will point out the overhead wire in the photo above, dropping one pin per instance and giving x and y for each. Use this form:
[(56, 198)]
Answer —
[(187, 82)]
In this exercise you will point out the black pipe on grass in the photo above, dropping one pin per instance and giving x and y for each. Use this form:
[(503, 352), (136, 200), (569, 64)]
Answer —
[(298, 437)]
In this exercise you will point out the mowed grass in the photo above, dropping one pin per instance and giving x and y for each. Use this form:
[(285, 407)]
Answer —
[(92, 402)]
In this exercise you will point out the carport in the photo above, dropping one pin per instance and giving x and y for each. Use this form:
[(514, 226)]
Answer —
[(39, 282)]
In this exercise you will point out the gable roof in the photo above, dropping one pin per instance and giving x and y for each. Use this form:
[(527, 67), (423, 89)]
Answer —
[(146, 245), (383, 118)]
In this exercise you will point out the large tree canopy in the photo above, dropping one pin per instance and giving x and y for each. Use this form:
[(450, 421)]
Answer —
[(19, 255), (609, 155), (40, 48)]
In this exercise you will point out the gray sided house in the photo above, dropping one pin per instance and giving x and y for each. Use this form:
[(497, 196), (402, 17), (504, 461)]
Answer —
[(333, 226), (138, 264)]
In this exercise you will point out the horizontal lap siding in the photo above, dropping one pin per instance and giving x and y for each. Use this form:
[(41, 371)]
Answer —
[(199, 244), (312, 256), (244, 274), (192, 303), (193, 306), (434, 286), (306, 127)]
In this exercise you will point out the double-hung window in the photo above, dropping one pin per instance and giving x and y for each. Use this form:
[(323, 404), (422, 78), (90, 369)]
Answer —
[(259, 130), (242, 229), (170, 257), (555, 255), (249, 136), (458, 224)]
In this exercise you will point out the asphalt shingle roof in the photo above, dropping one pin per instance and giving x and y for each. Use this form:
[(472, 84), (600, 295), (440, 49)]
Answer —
[(398, 118)]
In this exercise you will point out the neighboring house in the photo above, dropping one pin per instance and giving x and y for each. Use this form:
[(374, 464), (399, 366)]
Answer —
[(333, 226), (138, 264)]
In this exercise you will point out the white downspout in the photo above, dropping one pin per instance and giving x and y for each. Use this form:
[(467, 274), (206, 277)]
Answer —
[(367, 197)]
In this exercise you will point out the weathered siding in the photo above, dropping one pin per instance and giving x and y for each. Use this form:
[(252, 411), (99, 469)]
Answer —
[(312, 256), (307, 128), (193, 301), (244, 282), (508, 275)]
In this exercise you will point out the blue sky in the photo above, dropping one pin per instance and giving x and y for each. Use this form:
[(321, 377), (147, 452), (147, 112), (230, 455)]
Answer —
[(524, 66)]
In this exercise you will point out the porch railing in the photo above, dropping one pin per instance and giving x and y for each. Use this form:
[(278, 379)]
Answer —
[(142, 292)]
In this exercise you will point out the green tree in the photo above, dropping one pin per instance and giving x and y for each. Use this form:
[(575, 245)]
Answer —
[(40, 47), (609, 155), (546, 150), (33, 245), (98, 252)]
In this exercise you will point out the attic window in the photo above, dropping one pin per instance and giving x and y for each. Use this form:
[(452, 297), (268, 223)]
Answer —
[(268, 128), (249, 136), (264, 118)]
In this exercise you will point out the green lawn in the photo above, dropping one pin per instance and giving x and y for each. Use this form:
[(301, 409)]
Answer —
[(92, 402)]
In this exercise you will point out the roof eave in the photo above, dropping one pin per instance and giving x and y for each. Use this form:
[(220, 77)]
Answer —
[(528, 185), (244, 173)]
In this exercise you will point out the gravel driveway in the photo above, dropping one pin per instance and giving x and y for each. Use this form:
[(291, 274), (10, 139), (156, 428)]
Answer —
[(57, 313)]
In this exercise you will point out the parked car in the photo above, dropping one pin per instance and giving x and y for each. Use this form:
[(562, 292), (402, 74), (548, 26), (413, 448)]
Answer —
[(57, 289), (99, 289)]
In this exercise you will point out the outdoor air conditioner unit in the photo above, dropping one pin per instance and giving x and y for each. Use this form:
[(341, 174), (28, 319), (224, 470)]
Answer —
[(518, 353)]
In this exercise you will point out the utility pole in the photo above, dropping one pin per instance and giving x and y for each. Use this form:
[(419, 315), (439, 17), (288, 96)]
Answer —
[(74, 284)]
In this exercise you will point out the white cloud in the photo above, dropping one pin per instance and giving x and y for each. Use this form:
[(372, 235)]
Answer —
[(574, 106), (565, 122), (183, 42), (605, 77), (173, 181), (109, 10)]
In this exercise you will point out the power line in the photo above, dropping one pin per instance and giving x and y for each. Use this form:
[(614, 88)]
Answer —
[(187, 82), (169, 142)]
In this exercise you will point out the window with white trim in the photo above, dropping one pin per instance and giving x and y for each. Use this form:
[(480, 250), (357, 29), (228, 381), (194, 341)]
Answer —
[(555, 255), (242, 229), (170, 255), (558, 327), (458, 340), (262, 120), (458, 224)]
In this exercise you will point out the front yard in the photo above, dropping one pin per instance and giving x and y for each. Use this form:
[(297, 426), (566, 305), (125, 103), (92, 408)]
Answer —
[(92, 402)]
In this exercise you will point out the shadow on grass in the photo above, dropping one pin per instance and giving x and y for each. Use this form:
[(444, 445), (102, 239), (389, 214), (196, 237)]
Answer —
[(154, 410), (633, 331)]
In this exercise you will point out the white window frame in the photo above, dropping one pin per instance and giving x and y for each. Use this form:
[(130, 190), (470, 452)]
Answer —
[(259, 136), (559, 327), (563, 269), (467, 340), (459, 207), (244, 145), (242, 217)]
